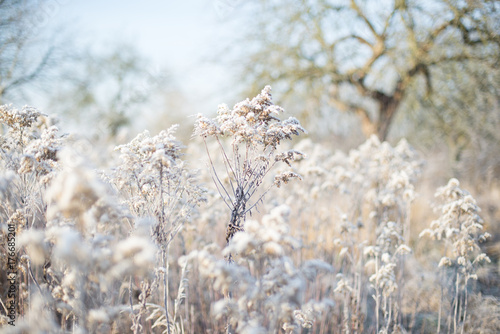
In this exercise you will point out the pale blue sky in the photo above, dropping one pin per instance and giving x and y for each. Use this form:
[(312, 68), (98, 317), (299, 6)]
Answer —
[(179, 36)]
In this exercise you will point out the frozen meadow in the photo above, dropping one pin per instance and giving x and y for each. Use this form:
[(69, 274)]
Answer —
[(273, 233)]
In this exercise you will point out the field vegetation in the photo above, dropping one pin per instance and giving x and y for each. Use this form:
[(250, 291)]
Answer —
[(370, 205), (270, 235)]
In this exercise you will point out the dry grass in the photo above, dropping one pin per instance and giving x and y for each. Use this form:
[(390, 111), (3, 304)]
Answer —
[(142, 246)]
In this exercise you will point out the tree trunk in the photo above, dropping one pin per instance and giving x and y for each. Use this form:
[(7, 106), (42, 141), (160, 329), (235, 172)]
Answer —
[(387, 107), (385, 116)]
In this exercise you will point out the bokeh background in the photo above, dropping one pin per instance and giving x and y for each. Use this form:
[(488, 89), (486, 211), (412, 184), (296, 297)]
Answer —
[(350, 70), (423, 70)]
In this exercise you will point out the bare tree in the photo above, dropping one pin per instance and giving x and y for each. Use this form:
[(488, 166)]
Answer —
[(25, 56), (366, 56), (108, 88)]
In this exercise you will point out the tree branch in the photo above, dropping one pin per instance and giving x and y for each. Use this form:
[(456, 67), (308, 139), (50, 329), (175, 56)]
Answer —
[(358, 10), (33, 75)]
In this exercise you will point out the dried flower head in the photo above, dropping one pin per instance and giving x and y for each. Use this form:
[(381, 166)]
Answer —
[(255, 132)]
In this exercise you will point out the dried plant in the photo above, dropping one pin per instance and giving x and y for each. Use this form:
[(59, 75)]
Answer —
[(133, 243), (157, 184), (460, 229), (255, 132), (268, 289)]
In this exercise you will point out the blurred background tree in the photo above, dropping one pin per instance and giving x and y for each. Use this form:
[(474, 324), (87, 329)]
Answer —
[(429, 66), (108, 89), (464, 117), (99, 88), (368, 57), (27, 56)]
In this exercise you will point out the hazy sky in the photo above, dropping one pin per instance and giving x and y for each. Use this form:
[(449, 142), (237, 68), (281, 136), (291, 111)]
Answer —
[(182, 37)]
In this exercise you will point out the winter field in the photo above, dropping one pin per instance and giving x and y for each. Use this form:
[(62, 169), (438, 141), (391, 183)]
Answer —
[(243, 231)]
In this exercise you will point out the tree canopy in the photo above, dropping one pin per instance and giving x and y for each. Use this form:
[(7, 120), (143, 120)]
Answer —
[(368, 57)]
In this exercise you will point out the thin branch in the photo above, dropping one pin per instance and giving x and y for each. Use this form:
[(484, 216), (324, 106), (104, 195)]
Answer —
[(358, 10), (259, 178), (237, 161), (227, 166), (33, 75), (33, 277), (218, 190), (215, 177), (258, 200), (227, 163)]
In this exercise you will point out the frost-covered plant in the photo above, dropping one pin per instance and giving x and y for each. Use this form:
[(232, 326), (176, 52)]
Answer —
[(28, 150), (389, 246), (371, 185), (70, 267), (40, 155), (30, 142), (134, 254), (77, 248), (20, 125), (255, 132), (83, 262), (350, 280), (269, 291), (460, 228), (379, 180), (28, 147), (156, 183), (383, 175), (355, 199)]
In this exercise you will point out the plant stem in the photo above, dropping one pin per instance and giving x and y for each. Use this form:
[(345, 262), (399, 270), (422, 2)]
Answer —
[(465, 307), (377, 300), (456, 304), (165, 287)]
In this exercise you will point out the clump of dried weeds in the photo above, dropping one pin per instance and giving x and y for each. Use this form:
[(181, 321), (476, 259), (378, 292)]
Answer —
[(142, 243)]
